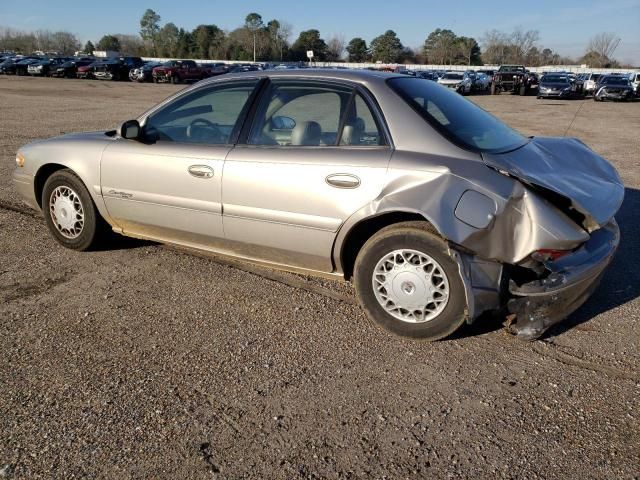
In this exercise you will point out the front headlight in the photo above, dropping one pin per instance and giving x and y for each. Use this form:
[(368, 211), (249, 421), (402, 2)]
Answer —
[(543, 89), (20, 160)]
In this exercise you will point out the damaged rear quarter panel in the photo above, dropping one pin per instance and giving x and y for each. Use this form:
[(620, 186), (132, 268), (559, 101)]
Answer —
[(432, 186)]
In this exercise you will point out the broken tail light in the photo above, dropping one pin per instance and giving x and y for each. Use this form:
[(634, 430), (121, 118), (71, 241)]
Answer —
[(548, 254)]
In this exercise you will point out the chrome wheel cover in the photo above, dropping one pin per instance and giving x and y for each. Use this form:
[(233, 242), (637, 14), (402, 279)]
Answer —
[(66, 212), (411, 286)]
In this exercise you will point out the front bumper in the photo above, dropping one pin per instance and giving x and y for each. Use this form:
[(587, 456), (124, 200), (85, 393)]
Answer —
[(162, 77), (23, 183), (615, 95), (542, 303), (554, 93), (104, 75)]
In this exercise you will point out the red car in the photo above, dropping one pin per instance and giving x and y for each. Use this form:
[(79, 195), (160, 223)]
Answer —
[(87, 71), (178, 71)]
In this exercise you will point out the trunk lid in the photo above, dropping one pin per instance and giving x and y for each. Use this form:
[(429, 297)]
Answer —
[(568, 174)]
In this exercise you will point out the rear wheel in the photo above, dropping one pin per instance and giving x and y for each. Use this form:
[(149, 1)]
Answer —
[(407, 282), (70, 212)]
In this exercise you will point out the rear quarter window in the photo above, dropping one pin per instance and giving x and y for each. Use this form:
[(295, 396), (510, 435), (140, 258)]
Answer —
[(457, 118)]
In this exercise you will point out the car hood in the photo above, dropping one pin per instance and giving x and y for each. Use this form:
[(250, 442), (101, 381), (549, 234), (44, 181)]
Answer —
[(571, 171), (449, 81)]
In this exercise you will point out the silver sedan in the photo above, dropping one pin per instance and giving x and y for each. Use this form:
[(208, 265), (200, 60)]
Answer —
[(435, 209)]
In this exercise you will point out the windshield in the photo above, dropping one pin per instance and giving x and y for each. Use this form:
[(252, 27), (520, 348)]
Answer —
[(616, 81), (458, 119), (511, 68), (555, 79), (452, 76)]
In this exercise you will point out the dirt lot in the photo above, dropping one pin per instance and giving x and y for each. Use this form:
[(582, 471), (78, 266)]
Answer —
[(141, 361)]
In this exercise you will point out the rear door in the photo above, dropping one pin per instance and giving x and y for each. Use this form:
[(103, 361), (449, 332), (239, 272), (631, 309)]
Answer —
[(315, 154)]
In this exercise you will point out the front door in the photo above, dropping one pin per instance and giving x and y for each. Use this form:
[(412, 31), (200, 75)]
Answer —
[(168, 186)]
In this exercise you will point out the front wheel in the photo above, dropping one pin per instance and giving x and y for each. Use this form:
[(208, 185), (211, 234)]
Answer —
[(408, 283), (69, 211)]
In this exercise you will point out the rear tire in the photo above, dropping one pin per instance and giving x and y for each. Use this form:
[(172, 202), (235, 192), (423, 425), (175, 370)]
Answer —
[(439, 306), (69, 211)]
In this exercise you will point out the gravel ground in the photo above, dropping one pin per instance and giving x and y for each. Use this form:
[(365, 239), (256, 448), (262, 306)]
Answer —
[(144, 361)]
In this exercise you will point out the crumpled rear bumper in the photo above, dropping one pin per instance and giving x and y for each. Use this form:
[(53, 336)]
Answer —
[(542, 303)]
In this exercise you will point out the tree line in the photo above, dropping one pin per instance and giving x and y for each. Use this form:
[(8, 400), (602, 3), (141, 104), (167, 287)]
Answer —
[(260, 40)]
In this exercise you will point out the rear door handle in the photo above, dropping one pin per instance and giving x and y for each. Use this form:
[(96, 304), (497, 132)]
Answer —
[(201, 171), (343, 180)]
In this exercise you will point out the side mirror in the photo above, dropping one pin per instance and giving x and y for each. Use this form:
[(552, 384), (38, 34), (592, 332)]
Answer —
[(130, 130)]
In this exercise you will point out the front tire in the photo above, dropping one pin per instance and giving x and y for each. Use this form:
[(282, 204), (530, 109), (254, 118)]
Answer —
[(69, 211), (407, 282)]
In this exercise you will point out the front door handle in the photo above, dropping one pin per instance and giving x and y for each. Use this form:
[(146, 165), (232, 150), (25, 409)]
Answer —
[(343, 180), (201, 171)]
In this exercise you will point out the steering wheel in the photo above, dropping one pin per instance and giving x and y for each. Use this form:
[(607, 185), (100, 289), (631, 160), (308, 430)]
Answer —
[(204, 130)]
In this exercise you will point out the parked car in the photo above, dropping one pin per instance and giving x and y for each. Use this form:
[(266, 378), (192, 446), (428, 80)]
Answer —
[(178, 71), (436, 210), (247, 67), (88, 71), (116, 68), (427, 75), (458, 81), (577, 82), (69, 68), (613, 87), (482, 83), (488, 73), (6, 65), (511, 78), (213, 69), (17, 65), (22, 67), (590, 80), (634, 78), (144, 72), (46, 67), (405, 71), (556, 85)]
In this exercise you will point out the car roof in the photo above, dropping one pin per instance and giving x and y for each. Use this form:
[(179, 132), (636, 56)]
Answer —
[(358, 76)]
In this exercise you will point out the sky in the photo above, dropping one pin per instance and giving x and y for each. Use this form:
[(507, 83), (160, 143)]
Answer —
[(564, 25)]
